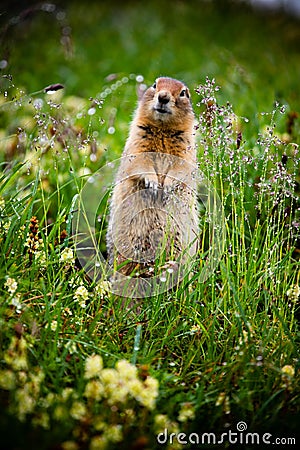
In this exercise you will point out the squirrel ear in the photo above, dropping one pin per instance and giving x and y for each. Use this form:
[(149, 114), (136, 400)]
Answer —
[(141, 88)]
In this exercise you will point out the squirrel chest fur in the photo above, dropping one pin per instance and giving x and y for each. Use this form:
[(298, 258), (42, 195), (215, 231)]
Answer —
[(153, 210)]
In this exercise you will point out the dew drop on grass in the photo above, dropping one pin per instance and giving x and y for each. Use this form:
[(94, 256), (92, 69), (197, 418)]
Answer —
[(91, 111), (61, 15), (282, 109), (38, 103)]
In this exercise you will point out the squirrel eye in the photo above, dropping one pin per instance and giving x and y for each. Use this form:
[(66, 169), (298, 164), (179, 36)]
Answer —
[(154, 85), (184, 93)]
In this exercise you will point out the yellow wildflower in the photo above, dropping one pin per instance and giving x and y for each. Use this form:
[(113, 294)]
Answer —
[(7, 380), (162, 422), (135, 387), (69, 445), (93, 366), (288, 371), (53, 325), (126, 370), (103, 288), (220, 399), (82, 291), (186, 412), (67, 393), (11, 285), (94, 390), (146, 392), (109, 377), (25, 402), (294, 292), (78, 410), (98, 443), (15, 301), (42, 420), (114, 433), (81, 295), (67, 256), (60, 413)]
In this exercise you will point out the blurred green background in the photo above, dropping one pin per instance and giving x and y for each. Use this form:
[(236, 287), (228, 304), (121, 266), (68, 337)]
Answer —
[(254, 56), (106, 51)]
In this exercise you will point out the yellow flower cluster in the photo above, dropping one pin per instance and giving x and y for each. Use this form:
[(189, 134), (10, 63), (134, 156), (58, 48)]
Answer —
[(67, 256), (120, 384), (26, 384), (186, 412), (11, 285), (294, 293), (81, 295), (102, 288), (113, 401), (93, 366), (162, 422), (287, 376), (223, 400), (288, 371)]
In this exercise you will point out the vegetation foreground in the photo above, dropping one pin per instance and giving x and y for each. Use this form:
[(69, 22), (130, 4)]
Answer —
[(216, 360), (78, 370)]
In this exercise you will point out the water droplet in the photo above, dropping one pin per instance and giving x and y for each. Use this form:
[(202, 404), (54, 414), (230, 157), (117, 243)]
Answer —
[(91, 111), (38, 103), (61, 15), (282, 109)]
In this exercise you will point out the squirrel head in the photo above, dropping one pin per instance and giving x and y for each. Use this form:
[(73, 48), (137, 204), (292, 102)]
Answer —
[(167, 103)]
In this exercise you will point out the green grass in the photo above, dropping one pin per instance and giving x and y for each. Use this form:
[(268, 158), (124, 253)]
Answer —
[(222, 351)]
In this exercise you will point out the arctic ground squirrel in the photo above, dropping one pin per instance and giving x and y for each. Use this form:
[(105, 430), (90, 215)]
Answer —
[(153, 208)]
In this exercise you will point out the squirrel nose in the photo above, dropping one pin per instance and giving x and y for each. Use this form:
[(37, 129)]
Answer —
[(163, 97)]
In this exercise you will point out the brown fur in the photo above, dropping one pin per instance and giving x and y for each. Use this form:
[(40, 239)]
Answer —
[(146, 214)]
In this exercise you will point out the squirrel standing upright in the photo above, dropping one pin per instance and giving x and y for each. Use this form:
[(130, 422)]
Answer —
[(153, 209)]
